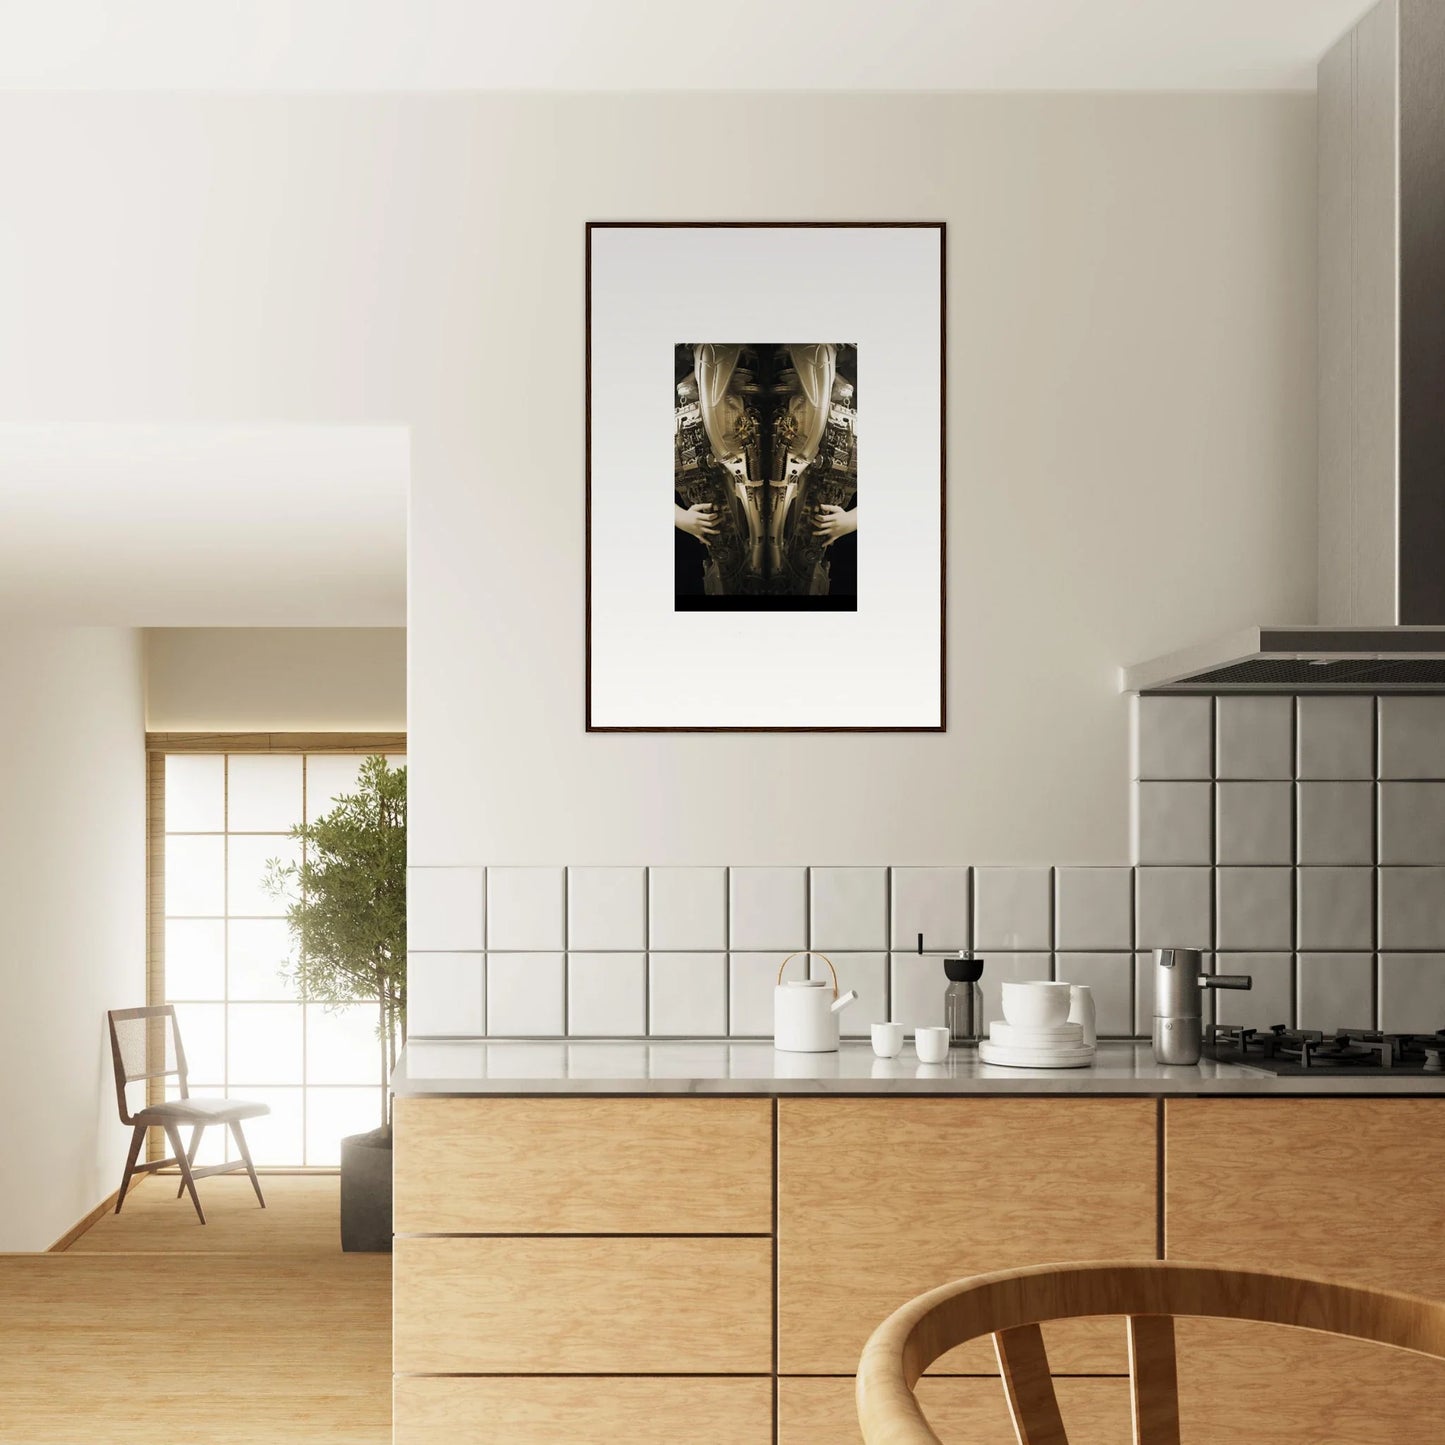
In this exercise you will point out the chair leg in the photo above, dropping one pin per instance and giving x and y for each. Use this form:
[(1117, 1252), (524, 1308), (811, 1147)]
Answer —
[(173, 1133), (137, 1138), (246, 1155), (191, 1154)]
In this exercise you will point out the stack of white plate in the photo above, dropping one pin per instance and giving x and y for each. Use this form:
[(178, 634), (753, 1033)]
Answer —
[(1035, 1033)]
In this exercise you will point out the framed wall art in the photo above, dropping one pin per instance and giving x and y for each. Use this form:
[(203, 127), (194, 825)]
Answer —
[(765, 476)]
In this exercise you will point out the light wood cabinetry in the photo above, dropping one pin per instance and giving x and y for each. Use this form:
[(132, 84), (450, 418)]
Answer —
[(969, 1409), (599, 1411), (583, 1166), (583, 1269), (637, 1270), (880, 1199), (580, 1306), (1344, 1188)]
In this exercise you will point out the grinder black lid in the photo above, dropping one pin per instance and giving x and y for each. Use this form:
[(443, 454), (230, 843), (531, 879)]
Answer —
[(963, 969)]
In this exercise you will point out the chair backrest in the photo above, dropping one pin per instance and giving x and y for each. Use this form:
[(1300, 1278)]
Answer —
[(145, 1043), (1011, 1305)]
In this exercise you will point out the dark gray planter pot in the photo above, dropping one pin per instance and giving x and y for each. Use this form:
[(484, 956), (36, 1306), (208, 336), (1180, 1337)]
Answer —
[(366, 1192)]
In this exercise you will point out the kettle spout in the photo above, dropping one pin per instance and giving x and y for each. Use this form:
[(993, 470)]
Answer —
[(844, 1000)]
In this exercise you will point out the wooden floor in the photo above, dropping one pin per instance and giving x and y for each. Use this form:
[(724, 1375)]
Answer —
[(251, 1330)]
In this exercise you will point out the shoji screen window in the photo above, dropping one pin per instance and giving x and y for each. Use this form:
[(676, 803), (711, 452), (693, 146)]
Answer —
[(228, 955)]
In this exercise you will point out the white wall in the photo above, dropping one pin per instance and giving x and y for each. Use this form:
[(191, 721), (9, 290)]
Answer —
[(1131, 411), (290, 679), (72, 897)]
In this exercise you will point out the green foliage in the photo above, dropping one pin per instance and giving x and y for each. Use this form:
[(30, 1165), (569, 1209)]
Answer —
[(346, 901)]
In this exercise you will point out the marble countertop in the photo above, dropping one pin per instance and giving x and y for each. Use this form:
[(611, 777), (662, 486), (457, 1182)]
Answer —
[(721, 1066)]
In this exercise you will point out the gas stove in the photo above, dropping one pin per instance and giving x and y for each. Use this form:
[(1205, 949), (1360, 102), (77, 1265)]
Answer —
[(1284, 1051)]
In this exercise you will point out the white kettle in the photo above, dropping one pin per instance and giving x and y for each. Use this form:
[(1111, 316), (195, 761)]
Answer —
[(805, 1011)]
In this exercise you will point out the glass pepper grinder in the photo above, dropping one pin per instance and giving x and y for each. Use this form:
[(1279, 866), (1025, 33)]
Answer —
[(963, 999)]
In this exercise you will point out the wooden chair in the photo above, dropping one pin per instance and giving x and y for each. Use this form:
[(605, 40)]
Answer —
[(145, 1043), (1010, 1306)]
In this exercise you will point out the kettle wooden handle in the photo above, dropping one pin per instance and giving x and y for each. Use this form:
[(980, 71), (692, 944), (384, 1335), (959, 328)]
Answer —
[(811, 953)]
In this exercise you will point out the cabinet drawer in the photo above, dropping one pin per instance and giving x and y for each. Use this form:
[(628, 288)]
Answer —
[(581, 1306), (583, 1166), (598, 1411), (822, 1411), (879, 1200)]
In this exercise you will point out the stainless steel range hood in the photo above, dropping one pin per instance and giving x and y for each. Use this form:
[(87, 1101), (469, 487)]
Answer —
[(1302, 659), (1381, 133)]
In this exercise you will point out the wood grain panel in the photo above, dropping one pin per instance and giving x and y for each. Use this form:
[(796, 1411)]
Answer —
[(599, 1411), (820, 1411), (1274, 1386), (584, 1166), (1344, 1188), (581, 1306), (882, 1199)]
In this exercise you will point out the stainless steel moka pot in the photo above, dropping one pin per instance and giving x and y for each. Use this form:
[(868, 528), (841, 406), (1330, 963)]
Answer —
[(1179, 984)]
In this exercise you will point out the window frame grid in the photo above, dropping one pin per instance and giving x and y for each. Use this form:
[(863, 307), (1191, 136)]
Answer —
[(159, 746)]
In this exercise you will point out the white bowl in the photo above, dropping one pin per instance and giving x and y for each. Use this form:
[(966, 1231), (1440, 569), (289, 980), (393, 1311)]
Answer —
[(1035, 1005)]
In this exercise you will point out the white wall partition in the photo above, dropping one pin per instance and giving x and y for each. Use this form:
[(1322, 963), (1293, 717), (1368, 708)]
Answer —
[(1131, 410), (72, 900)]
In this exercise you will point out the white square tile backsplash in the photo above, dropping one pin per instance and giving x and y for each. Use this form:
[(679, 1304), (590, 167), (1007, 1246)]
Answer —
[(606, 908), (933, 902), (1280, 801), (526, 909), (688, 994), (446, 994), (1412, 737), (768, 908), (752, 978), (687, 908), (445, 909), (607, 994), (526, 994), (1094, 908), (848, 908), (1012, 908)]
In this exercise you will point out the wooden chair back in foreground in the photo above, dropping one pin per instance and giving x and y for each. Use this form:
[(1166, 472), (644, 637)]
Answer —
[(1012, 1304)]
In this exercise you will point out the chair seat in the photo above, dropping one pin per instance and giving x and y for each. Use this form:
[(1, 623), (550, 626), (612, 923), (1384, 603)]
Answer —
[(201, 1111)]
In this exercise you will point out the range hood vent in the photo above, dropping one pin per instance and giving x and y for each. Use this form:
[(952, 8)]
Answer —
[(1302, 659), (1381, 153)]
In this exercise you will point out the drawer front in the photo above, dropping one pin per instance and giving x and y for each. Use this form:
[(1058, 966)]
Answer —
[(821, 1411), (597, 1411), (581, 1306), (583, 1166), (879, 1200)]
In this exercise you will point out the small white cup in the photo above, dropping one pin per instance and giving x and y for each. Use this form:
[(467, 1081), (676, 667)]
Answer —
[(887, 1040), (931, 1044)]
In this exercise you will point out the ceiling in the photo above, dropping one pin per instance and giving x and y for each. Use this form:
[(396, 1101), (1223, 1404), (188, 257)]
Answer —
[(365, 45), (159, 526)]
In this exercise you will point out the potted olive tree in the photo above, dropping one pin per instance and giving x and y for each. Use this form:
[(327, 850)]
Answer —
[(346, 907)]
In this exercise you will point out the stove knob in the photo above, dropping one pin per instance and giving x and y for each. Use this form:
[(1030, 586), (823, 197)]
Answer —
[(1435, 1061)]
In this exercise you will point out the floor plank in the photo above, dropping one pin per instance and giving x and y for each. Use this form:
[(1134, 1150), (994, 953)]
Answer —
[(301, 1216), (256, 1333)]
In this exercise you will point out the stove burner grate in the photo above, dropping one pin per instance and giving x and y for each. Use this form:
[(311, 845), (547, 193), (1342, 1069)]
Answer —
[(1337, 1049)]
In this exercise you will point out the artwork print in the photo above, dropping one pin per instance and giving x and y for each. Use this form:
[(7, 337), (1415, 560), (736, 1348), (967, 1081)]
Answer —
[(765, 476), (731, 360)]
